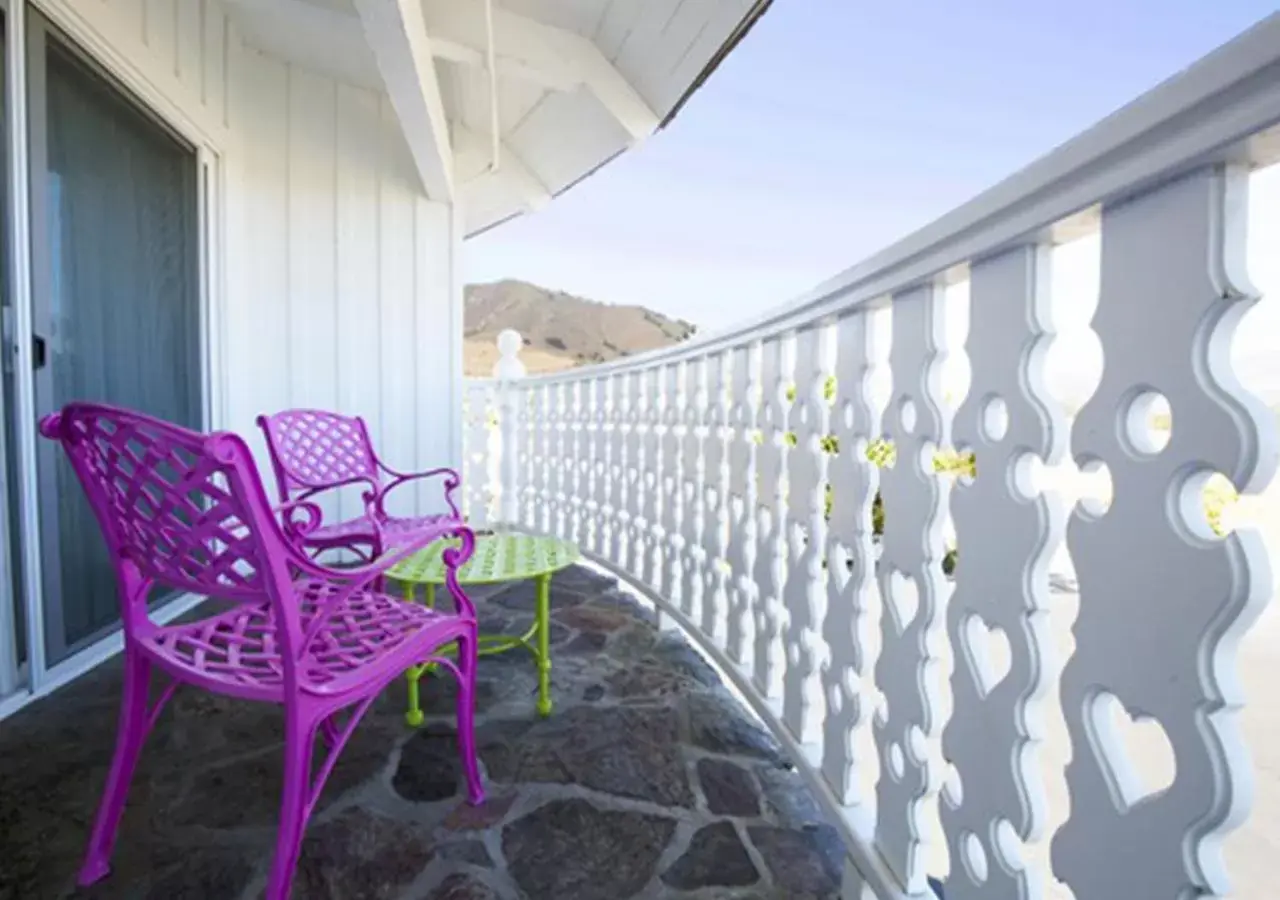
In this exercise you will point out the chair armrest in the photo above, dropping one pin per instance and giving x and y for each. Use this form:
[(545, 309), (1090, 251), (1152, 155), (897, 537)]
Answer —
[(408, 545), (357, 578), (454, 559), (378, 500)]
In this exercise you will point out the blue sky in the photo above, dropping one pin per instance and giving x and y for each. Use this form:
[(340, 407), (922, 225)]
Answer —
[(836, 128)]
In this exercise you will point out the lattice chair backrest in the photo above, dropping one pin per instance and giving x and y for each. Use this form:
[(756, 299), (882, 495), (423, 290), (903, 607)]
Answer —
[(186, 509), (315, 450)]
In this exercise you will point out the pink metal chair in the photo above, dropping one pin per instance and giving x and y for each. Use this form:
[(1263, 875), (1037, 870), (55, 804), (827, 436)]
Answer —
[(188, 511), (313, 451)]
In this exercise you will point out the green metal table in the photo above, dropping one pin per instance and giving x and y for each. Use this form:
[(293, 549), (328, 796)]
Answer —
[(497, 558)]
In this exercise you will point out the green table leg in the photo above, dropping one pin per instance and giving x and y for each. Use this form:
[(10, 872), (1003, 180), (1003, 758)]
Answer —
[(413, 718), (537, 641), (543, 653)]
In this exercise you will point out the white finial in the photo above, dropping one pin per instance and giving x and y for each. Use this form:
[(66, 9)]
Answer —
[(508, 366)]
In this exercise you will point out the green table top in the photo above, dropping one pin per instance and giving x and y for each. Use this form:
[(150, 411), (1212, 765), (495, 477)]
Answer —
[(497, 557)]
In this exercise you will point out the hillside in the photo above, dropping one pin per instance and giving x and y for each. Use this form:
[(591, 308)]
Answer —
[(560, 330)]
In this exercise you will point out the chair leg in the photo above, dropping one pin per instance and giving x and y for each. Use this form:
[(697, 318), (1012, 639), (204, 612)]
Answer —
[(379, 584), (299, 741), (130, 735), (467, 656)]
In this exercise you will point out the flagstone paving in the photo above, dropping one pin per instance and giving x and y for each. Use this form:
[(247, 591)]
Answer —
[(647, 781)]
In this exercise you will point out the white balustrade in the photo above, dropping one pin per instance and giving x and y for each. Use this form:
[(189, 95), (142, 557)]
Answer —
[(691, 523), (729, 479), (672, 399), (912, 584), (771, 516), (743, 493), (804, 593), (850, 563), (1163, 648), (714, 511), (997, 616), (480, 473)]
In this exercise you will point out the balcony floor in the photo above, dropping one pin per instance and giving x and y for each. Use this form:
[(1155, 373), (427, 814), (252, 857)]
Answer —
[(647, 781)]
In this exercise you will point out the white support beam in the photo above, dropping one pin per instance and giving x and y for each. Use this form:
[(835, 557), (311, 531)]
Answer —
[(613, 91), (554, 75), (397, 34), (473, 158), (528, 49)]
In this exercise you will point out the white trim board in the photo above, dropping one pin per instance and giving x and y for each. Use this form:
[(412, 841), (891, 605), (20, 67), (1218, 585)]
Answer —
[(70, 17)]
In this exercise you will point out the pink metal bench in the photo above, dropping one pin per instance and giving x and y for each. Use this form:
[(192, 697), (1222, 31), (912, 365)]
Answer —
[(188, 511)]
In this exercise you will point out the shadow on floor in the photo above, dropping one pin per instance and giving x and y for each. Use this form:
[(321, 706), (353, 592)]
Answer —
[(647, 781)]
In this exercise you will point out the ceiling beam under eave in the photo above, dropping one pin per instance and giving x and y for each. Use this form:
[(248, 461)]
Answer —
[(526, 48), (473, 158), (397, 34), (614, 92), (556, 77)]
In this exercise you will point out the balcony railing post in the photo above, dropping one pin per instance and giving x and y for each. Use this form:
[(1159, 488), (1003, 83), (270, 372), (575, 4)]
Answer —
[(507, 370)]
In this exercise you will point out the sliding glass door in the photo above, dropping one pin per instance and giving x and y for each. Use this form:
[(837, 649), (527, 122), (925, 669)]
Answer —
[(12, 620), (116, 303)]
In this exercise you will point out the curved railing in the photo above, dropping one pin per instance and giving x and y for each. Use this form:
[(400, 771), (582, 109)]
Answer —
[(730, 478)]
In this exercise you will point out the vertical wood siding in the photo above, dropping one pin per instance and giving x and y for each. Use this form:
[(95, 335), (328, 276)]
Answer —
[(340, 283)]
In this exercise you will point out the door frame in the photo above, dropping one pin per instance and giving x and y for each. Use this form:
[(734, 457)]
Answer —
[(11, 675), (36, 678)]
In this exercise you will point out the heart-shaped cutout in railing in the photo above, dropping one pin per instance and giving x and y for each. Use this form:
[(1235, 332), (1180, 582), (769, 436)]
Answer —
[(1135, 751), (904, 600), (988, 653)]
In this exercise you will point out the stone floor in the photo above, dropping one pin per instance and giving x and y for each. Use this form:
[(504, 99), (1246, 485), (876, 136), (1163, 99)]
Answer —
[(648, 781)]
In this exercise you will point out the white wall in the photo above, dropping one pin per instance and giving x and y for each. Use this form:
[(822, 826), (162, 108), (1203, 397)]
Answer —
[(340, 277), (340, 283)]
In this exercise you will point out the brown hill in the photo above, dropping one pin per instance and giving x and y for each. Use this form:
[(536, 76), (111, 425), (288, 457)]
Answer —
[(559, 329)]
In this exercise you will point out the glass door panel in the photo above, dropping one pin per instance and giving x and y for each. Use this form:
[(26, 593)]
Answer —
[(115, 279)]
